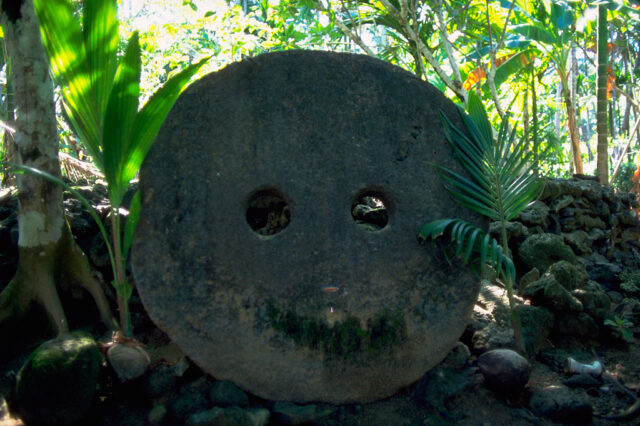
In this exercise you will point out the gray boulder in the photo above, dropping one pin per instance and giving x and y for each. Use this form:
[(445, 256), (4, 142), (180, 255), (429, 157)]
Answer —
[(232, 416), (288, 413), (265, 196), (58, 382), (535, 214), (224, 393), (561, 404), (543, 250), (504, 370), (441, 384)]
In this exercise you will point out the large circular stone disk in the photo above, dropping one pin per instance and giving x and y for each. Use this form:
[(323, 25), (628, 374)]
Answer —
[(277, 238)]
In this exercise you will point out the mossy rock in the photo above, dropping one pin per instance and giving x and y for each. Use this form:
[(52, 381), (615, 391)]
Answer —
[(548, 292), (58, 382), (570, 276), (543, 250), (535, 214)]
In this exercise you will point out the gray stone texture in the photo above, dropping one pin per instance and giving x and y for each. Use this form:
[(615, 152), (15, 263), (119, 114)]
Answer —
[(504, 370), (58, 382), (251, 252)]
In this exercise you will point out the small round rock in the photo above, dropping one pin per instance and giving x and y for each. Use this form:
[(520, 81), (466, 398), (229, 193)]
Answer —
[(504, 370)]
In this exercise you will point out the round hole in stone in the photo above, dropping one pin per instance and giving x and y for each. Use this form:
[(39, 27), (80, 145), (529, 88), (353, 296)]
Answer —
[(267, 211), (370, 210)]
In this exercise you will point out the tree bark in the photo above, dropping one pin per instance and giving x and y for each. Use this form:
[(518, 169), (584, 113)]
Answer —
[(602, 156), (47, 252), (573, 129)]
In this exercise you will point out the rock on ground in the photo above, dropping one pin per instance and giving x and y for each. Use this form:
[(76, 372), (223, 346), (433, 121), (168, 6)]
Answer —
[(504, 370), (58, 382)]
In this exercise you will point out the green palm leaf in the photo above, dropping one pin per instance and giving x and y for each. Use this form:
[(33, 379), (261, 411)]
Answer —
[(101, 43), (470, 240), (119, 118), (63, 40), (150, 118), (502, 182)]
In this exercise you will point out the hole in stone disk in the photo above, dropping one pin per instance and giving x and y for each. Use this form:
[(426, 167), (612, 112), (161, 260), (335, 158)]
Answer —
[(268, 212), (370, 211)]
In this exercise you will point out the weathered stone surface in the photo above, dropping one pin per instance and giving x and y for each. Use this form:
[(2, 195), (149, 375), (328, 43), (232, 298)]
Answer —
[(504, 370), (232, 416), (249, 253), (542, 250), (288, 413), (224, 393), (535, 214), (536, 323), (58, 382), (441, 384), (562, 405)]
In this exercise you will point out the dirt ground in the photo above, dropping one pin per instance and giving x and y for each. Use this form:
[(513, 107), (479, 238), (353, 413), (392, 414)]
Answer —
[(474, 406)]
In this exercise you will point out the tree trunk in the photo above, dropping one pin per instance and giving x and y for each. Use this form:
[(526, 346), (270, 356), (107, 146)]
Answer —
[(573, 131), (534, 113), (602, 158), (47, 252)]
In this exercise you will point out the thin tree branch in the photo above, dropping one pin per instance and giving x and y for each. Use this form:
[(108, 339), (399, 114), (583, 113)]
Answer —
[(447, 44), (504, 28), (491, 73), (624, 151), (345, 30), (455, 86)]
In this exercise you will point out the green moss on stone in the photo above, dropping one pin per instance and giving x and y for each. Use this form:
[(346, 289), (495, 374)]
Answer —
[(342, 338)]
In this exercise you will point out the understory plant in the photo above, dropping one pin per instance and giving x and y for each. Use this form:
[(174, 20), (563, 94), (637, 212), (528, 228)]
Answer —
[(100, 95), (501, 182)]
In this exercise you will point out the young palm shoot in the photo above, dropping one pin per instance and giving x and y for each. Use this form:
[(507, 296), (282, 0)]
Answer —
[(100, 93), (501, 182)]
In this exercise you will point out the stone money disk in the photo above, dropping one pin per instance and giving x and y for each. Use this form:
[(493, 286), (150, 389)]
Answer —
[(277, 238)]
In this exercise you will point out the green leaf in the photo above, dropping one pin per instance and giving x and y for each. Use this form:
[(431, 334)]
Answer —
[(119, 118), (130, 225), (479, 120), (152, 115), (561, 15), (63, 40), (511, 66), (101, 42), (537, 33), (470, 239)]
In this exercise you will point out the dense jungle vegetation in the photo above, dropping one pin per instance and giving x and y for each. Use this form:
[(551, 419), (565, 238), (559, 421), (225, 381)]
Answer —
[(536, 59)]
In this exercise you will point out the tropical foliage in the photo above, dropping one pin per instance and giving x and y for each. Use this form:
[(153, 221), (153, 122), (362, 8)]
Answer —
[(100, 95), (501, 182)]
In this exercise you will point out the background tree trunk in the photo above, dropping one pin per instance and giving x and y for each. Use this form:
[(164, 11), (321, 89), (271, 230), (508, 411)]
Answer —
[(47, 251), (602, 158)]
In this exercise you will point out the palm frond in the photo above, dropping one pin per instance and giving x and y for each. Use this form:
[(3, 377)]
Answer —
[(119, 117), (150, 118), (101, 39), (64, 42), (470, 240), (501, 180)]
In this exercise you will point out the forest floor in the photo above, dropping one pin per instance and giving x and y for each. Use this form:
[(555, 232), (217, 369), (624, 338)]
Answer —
[(123, 404), (471, 404)]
